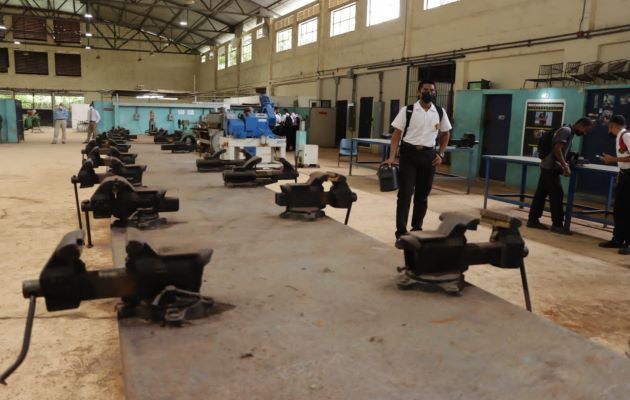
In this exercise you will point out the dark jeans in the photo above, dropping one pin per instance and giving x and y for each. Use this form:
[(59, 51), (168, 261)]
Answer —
[(415, 179), (622, 208), (548, 185)]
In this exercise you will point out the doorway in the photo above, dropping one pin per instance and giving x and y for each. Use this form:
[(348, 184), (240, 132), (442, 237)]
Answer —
[(365, 117), (342, 121), (496, 133)]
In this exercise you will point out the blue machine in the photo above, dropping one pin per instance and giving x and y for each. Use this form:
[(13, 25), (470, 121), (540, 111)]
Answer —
[(254, 125)]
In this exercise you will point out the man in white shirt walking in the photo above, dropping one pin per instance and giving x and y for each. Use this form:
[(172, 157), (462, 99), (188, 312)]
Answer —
[(416, 130), (621, 213), (93, 118)]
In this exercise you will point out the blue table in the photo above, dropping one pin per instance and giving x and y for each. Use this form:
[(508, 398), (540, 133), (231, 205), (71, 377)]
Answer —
[(385, 143), (585, 212)]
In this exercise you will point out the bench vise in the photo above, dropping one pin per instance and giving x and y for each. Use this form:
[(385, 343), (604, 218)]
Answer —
[(214, 163), (163, 287), (180, 147), (139, 207), (441, 257), (127, 158), (249, 175), (309, 199)]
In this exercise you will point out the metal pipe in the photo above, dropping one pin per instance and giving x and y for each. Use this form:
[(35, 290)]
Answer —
[(30, 316)]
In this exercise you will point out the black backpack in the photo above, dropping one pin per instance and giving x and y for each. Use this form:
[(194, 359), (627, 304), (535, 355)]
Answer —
[(545, 144)]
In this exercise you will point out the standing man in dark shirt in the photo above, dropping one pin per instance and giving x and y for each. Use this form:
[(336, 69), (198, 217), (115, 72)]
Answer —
[(417, 128), (551, 167), (621, 233)]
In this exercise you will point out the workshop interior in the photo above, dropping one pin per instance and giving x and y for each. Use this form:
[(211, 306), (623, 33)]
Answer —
[(331, 199)]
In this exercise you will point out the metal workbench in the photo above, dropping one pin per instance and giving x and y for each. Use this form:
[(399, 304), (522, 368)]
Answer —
[(572, 210), (313, 312), (385, 144)]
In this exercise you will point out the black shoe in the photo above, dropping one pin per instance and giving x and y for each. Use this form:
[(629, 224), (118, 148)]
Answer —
[(625, 250), (561, 231), (416, 230), (611, 244), (398, 244), (536, 225)]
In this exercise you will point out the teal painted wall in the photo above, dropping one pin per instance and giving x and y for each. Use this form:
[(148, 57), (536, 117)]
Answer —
[(112, 115), (8, 134), (469, 117)]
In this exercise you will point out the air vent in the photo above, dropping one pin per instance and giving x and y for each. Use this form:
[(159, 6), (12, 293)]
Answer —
[(335, 3), (284, 23), (308, 13)]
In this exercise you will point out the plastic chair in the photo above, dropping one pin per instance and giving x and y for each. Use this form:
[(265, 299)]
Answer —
[(347, 148)]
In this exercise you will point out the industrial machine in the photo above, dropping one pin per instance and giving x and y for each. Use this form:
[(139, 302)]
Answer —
[(214, 163), (249, 175), (441, 257), (139, 207), (152, 285), (309, 199)]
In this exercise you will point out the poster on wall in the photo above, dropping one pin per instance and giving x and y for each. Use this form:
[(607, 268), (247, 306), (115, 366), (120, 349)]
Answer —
[(181, 112), (540, 117), (190, 112)]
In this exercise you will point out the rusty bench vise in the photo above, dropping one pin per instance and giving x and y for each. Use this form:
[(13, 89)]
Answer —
[(88, 177), (180, 147), (162, 287), (309, 199), (249, 175), (127, 158), (139, 207), (214, 163), (96, 155), (441, 257)]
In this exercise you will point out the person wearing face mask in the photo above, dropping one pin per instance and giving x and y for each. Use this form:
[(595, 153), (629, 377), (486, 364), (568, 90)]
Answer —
[(621, 213), (93, 118), (60, 115), (551, 168), (416, 130)]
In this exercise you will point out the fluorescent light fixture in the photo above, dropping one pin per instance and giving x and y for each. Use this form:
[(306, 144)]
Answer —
[(183, 23), (88, 34), (88, 15), (150, 96), (88, 47), (169, 98), (16, 42), (3, 27)]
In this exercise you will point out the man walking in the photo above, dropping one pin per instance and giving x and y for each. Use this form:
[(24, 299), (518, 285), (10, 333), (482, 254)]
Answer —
[(621, 213), (60, 115), (552, 166), (416, 130), (93, 118), (151, 121)]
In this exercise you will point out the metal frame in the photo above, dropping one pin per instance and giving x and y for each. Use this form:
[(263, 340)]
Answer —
[(144, 22)]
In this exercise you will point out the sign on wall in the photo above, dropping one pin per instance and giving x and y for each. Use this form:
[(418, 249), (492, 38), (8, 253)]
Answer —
[(540, 117)]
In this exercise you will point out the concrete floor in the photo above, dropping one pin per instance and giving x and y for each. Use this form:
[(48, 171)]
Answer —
[(76, 355)]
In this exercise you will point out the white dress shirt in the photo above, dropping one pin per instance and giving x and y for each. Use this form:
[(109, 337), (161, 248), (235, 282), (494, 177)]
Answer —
[(625, 136), (93, 115), (424, 125)]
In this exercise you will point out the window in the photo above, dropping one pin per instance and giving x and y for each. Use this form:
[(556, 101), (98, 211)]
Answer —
[(31, 62), (4, 60), (307, 32), (382, 10), (260, 33), (284, 39), (246, 48), (428, 4), (343, 20), (203, 58), (67, 64), (232, 58), (221, 58), (28, 27), (67, 31)]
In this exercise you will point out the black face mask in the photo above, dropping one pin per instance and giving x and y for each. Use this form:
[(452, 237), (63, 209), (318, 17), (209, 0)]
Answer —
[(427, 97)]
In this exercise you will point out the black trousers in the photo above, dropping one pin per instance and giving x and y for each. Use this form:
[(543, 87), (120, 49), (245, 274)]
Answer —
[(621, 210), (548, 185), (415, 179)]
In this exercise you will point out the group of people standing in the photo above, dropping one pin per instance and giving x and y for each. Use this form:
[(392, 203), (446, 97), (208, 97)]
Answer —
[(60, 117), (287, 125), (422, 132)]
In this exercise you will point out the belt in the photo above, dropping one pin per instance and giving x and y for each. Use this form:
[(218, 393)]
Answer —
[(417, 147)]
